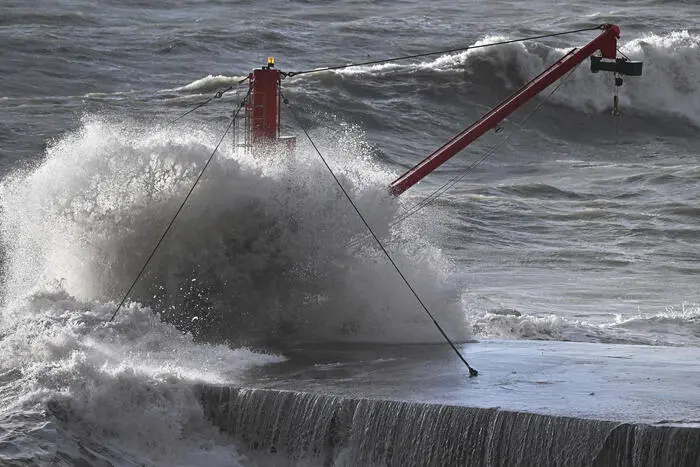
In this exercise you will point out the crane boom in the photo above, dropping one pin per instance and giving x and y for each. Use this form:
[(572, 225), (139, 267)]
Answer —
[(606, 43)]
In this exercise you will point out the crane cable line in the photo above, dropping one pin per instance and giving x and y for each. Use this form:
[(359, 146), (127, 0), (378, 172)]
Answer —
[(182, 205), (472, 372), (291, 74)]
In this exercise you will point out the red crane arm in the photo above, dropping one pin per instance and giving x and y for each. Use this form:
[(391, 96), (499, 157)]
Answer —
[(606, 42)]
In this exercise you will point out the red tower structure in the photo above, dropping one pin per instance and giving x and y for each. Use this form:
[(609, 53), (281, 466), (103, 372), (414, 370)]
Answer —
[(263, 109)]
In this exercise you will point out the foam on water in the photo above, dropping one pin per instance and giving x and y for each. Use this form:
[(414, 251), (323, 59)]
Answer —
[(670, 327), (668, 85), (260, 250), (209, 83)]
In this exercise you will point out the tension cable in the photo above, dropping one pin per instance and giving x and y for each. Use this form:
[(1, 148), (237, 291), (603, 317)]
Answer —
[(182, 205), (218, 95), (472, 371), (435, 194), (453, 181), (291, 74)]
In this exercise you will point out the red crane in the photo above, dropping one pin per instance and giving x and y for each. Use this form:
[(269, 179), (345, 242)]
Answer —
[(606, 43)]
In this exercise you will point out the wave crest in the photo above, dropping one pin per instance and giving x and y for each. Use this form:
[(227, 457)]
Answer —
[(668, 84)]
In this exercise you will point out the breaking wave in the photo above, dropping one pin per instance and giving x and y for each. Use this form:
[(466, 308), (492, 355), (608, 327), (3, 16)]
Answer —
[(209, 83), (79, 390), (668, 85), (259, 254), (674, 327)]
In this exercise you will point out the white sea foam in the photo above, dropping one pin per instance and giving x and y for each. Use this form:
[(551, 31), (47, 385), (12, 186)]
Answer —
[(668, 84), (266, 239), (209, 83), (675, 327), (126, 385), (261, 246)]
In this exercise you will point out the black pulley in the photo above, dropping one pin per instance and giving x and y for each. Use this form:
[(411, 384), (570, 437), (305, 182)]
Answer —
[(618, 65)]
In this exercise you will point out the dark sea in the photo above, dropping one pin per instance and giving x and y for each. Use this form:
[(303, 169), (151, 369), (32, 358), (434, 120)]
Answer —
[(569, 224)]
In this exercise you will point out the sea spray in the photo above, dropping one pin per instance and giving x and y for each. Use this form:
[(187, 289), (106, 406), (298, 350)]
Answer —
[(260, 252), (110, 391), (262, 249)]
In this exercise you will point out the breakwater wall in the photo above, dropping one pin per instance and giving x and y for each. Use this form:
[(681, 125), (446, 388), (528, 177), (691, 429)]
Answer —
[(285, 428)]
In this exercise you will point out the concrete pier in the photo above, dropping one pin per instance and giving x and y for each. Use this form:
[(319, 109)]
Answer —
[(535, 403)]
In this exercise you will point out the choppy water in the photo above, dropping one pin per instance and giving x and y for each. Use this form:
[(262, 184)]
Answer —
[(579, 226)]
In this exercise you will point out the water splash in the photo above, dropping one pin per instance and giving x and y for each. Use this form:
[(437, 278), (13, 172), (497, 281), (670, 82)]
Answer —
[(260, 252), (121, 390)]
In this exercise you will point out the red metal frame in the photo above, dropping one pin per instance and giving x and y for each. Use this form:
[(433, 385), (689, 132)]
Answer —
[(606, 42), (263, 113), (263, 107)]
